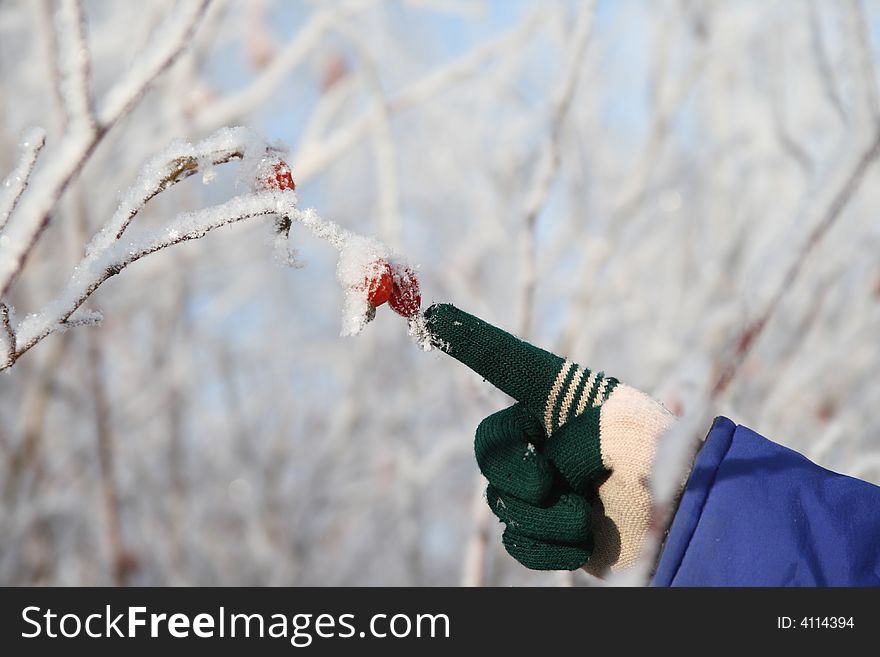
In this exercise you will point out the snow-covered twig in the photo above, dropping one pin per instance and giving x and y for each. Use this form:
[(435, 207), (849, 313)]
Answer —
[(17, 181), (383, 145), (32, 216), (867, 70), (100, 265), (238, 104), (74, 66), (781, 126), (473, 571), (172, 38), (77, 146), (840, 198), (548, 158), (112, 249), (628, 200), (177, 162), (106, 255), (824, 67), (314, 155)]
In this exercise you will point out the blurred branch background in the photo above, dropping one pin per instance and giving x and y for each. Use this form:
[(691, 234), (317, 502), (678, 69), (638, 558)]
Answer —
[(679, 192)]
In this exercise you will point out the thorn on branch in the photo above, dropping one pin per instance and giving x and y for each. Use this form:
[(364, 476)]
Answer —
[(743, 346), (282, 225), (181, 168), (86, 318), (8, 336)]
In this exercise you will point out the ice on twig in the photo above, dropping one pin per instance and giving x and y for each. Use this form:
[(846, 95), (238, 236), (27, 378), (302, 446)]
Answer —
[(361, 259), (171, 165), (16, 182), (418, 331), (76, 146), (73, 66), (168, 41)]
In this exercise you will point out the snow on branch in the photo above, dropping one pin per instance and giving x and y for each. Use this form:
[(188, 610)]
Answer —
[(548, 158), (74, 66), (113, 249), (560, 101), (171, 39), (101, 265), (16, 182), (77, 145), (840, 193), (106, 255), (177, 162), (322, 21), (316, 152)]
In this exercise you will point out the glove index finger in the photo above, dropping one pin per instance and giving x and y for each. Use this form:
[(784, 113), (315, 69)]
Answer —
[(530, 375)]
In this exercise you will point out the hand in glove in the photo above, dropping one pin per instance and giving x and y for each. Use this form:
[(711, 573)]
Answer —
[(569, 464)]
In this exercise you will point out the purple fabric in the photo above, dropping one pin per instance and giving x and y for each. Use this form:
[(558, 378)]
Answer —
[(755, 513)]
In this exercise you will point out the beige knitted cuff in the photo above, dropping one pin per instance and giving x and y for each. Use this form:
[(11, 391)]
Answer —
[(630, 424)]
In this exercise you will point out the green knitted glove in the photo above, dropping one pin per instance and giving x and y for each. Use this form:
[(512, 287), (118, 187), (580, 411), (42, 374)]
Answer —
[(550, 457)]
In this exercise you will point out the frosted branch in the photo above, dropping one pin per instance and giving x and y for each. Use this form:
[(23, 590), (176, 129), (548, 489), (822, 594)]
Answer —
[(171, 39), (17, 181), (865, 55), (548, 158), (177, 162), (77, 146), (383, 145), (840, 198), (788, 142), (99, 266), (626, 203), (236, 105), (106, 255), (824, 67), (74, 66), (112, 249), (313, 156)]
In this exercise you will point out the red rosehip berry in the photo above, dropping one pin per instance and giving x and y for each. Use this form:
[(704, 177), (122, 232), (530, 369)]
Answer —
[(406, 299), (279, 177), (378, 283)]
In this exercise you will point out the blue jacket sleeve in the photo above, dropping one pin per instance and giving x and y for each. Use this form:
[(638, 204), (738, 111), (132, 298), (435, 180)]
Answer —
[(755, 513)]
